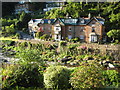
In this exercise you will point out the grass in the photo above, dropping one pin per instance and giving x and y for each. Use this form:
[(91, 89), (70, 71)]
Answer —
[(8, 38)]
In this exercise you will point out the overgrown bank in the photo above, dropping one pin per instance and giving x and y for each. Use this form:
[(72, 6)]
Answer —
[(32, 66)]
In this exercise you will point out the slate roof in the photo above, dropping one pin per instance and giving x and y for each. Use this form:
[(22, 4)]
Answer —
[(78, 21), (69, 21), (47, 21)]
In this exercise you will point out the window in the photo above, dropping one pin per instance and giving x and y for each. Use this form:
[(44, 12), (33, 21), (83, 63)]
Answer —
[(93, 29), (57, 36), (69, 36), (81, 36), (57, 28), (69, 28)]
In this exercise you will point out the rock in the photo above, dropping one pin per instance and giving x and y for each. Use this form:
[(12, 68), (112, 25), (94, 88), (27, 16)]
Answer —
[(4, 60), (74, 63), (88, 58)]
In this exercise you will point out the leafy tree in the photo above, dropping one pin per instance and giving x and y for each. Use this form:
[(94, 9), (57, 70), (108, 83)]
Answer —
[(114, 34), (24, 19), (10, 29)]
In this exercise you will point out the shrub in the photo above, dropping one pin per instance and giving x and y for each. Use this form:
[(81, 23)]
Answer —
[(44, 37), (62, 43), (8, 42), (56, 77), (112, 78), (17, 35), (25, 75), (23, 44), (38, 34), (87, 76)]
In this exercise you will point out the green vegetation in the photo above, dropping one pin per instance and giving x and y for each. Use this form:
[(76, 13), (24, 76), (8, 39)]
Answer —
[(108, 10), (114, 34), (83, 65), (87, 75), (112, 78), (56, 77), (24, 75)]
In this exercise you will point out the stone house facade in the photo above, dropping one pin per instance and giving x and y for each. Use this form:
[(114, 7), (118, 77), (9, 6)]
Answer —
[(87, 29)]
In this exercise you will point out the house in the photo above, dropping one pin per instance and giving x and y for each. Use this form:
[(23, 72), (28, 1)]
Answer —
[(87, 29), (51, 5), (23, 6), (44, 25)]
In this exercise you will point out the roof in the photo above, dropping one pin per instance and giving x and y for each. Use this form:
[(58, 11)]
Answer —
[(47, 21), (69, 21), (100, 20), (78, 21), (73, 21)]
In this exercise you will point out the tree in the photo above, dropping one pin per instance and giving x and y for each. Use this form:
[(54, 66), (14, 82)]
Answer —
[(88, 75), (10, 29), (24, 18), (114, 34)]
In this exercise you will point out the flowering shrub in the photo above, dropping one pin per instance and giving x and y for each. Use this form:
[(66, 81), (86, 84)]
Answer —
[(82, 47)]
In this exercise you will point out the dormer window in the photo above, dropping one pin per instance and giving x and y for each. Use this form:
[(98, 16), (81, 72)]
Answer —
[(49, 21), (82, 21), (42, 21)]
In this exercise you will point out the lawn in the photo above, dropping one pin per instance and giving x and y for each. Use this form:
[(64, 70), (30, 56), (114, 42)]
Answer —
[(8, 38)]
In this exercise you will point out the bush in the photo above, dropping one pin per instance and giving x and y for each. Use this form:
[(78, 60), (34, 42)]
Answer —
[(17, 35), (87, 76), (56, 77), (25, 75), (112, 78), (44, 37), (77, 39), (62, 43), (8, 42)]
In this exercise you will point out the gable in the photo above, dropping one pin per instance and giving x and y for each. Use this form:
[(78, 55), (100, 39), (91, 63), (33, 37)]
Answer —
[(100, 21), (58, 21)]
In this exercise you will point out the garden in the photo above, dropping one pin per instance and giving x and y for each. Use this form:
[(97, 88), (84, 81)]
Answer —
[(60, 66)]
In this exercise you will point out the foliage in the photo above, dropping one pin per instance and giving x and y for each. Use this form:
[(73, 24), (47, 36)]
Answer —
[(8, 42), (28, 55), (75, 39), (24, 75), (112, 78), (38, 34), (82, 9), (62, 43), (44, 37), (115, 34), (56, 77), (87, 75), (24, 19)]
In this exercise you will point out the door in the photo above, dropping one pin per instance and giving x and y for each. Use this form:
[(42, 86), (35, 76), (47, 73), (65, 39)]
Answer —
[(93, 38)]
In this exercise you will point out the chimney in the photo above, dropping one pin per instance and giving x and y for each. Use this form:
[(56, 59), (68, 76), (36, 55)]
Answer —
[(89, 15)]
